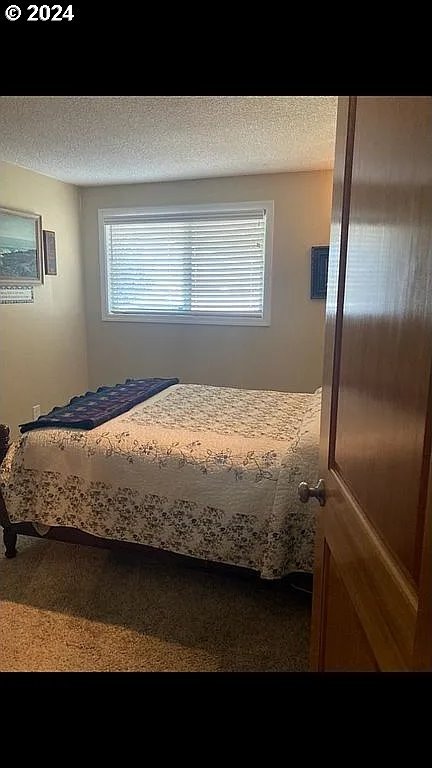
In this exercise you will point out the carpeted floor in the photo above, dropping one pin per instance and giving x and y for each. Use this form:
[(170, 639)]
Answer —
[(65, 607)]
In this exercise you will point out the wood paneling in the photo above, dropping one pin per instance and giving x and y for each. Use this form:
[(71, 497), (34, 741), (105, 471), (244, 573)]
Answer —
[(384, 599), (346, 646), (387, 320), (373, 571), (423, 641)]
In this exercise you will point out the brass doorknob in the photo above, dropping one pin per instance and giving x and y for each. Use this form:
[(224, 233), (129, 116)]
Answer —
[(305, 492)]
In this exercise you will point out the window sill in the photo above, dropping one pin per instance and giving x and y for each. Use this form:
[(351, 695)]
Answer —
[(184, 320)]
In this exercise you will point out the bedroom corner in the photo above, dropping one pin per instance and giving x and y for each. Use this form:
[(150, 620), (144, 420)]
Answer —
[(43, 346)]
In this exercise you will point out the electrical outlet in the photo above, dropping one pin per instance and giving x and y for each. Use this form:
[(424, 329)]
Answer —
[(36, 412)]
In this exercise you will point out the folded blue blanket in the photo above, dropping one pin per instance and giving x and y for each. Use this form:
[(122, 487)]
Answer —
[(94, 408)]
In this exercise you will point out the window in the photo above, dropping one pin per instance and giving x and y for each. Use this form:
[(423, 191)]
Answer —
[(189, 264)]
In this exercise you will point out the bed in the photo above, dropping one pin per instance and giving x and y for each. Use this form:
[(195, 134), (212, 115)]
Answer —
[(202, 471)]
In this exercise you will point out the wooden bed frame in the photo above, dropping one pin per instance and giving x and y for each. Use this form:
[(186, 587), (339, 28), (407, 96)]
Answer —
[(9, 531), (298, 580)]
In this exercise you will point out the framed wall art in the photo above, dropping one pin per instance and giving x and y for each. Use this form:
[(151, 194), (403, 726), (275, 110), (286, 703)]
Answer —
[(20, 248), (16, 294), (319, 265), (50, 254)]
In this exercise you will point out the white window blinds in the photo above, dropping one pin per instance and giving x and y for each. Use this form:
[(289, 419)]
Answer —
[(191, 264)]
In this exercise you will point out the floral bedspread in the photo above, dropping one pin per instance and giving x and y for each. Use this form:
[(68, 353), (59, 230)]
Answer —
[(209, 472)]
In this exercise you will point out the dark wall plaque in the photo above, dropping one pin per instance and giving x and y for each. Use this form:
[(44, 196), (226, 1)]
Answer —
[(50, 255), (319, 264)]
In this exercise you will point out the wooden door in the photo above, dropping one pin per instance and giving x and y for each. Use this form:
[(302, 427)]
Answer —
[(372, 606)]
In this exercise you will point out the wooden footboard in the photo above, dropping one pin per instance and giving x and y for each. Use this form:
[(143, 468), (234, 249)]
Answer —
[(4, 441), (9, 532)]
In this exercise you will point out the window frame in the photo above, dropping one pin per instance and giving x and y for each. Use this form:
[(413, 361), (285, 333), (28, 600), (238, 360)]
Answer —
[(172, 317)]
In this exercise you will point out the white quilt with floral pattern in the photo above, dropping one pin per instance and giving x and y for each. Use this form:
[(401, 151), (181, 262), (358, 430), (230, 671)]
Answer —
[(209, 472)]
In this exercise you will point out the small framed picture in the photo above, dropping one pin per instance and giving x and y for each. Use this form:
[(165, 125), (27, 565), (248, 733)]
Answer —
[(319, 266), (50, 255)]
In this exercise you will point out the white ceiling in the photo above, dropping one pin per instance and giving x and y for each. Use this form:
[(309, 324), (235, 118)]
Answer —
[(91, 140)]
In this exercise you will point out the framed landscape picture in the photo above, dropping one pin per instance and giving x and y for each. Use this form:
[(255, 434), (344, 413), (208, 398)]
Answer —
[(20, 248)]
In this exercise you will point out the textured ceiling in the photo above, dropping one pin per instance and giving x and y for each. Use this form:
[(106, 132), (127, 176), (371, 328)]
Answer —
[(90, 140)]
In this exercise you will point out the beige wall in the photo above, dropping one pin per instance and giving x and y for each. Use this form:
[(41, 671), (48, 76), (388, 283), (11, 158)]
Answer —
[(43, 356), (286, 356)]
